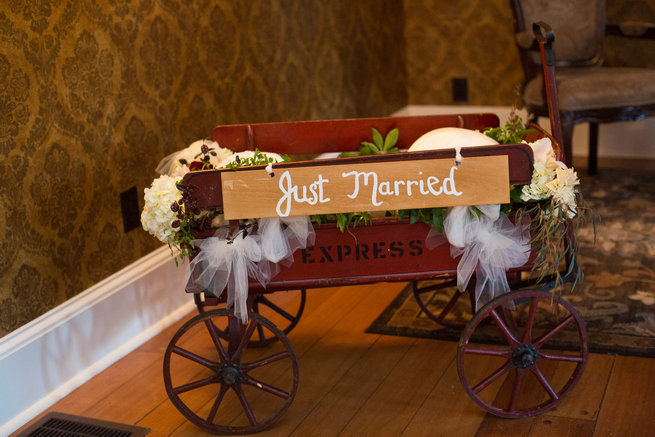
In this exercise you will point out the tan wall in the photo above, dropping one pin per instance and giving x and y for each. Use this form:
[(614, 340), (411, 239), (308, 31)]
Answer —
[(94, 93)]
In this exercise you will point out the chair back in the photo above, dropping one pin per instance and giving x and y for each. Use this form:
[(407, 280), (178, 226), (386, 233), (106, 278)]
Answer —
[(578, 24)]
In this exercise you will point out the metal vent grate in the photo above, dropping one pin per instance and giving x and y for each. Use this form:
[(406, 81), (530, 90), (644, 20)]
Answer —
[(66, 425)]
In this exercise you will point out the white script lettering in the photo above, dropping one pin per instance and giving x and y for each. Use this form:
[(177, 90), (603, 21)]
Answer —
[(426, 186), (290, 192), (366, 175)]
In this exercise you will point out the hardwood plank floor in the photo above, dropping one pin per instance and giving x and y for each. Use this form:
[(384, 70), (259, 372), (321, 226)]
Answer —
[(354, 384)]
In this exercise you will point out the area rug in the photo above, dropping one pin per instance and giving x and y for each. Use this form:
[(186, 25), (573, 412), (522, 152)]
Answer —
[(617, 297)]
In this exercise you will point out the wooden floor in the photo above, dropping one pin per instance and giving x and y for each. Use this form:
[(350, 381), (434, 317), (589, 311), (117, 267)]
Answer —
[(358, 384)]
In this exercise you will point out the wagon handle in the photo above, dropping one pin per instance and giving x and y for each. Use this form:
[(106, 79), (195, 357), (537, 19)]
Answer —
[(544, 35)]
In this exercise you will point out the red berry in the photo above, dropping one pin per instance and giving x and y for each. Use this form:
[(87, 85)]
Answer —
[(195, 165)]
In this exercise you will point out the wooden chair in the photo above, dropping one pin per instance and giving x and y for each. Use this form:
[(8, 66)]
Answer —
[(588, 91)]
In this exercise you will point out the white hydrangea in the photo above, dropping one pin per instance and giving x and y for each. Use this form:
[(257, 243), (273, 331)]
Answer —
[(157, 215)]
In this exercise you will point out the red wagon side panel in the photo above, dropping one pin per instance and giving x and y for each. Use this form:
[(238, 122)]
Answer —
[(338, 135), (388, 250)]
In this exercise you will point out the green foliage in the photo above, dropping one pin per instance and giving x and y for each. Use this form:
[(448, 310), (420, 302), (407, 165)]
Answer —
[(378, 146), (344, 220), (257, 159), (548, 228), (183, 238), (430, 216), (512, 133)]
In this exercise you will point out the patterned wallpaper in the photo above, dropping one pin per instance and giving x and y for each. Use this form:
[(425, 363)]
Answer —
[(93, 93), (474, 39), (471, 39)]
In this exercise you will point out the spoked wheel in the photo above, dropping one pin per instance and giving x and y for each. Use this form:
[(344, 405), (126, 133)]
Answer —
[(442, 302), (270, 306), (527, 358), (223, 386), (267, 306)]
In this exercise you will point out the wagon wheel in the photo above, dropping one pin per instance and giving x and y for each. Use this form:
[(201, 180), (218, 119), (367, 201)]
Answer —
[(527, 358), (437, 301), (222, 385), (266, 305)]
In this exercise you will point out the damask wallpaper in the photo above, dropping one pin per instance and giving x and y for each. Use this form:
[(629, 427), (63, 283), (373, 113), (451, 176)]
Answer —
[(93, 93), (474, 39)]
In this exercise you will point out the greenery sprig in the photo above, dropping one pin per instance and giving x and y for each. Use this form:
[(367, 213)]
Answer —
[(344, 220), (258, 158), (430, 216), (512, 133), (379, 145)]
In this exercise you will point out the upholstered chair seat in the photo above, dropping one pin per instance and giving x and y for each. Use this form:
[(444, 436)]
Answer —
[(596, 88)]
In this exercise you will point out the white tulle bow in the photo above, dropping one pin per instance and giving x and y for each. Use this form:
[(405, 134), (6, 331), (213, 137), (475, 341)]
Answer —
[(489, 245), (226, 261)]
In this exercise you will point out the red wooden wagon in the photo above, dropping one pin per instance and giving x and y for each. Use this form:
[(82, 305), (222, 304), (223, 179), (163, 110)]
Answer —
[(214, 356)]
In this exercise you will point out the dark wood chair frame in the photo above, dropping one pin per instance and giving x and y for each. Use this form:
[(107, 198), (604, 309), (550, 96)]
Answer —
[(592, 116)]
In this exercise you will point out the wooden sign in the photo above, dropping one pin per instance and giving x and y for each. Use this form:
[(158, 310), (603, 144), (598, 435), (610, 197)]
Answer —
[(373, 186)]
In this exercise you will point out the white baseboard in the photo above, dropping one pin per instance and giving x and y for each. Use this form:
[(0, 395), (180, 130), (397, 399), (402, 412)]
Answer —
[(626, 139), (49, 357)]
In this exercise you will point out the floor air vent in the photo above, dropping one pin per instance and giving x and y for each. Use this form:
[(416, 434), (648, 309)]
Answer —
[(65, 425)]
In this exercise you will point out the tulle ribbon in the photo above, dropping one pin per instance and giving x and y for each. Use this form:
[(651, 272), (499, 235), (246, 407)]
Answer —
[(226, 261), (489, 245), (281, 237), (167, 163)]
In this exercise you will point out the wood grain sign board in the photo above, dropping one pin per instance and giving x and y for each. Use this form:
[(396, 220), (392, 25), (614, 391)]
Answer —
[(372, 186)]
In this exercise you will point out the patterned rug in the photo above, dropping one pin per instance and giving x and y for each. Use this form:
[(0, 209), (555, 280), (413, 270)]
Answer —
[(617, 298)]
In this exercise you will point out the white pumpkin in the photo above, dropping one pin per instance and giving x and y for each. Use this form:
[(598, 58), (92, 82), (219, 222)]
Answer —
[(450, 138)]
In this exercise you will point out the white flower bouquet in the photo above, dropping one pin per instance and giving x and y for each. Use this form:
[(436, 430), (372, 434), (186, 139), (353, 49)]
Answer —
[(167, 215)]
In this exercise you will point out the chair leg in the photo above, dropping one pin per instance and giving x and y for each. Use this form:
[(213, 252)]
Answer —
[(593, 148), (567, 138)]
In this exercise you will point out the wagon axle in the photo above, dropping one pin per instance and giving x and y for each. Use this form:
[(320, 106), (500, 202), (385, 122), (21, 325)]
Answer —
[(229, 375), (525, 356)]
